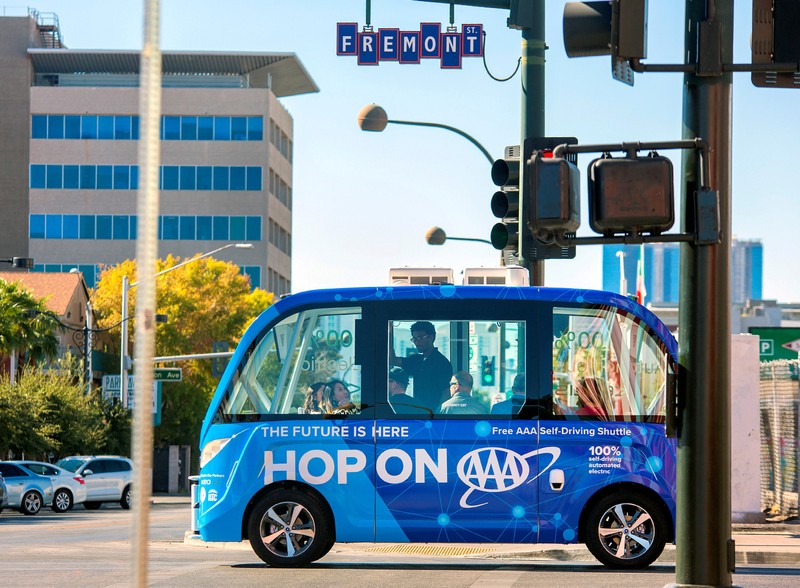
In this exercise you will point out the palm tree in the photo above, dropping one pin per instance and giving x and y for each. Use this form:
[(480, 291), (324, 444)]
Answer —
[(25, 326)]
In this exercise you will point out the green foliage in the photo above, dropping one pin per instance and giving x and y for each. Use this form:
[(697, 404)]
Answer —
[(207, 300), (31, 336), (48, 412)]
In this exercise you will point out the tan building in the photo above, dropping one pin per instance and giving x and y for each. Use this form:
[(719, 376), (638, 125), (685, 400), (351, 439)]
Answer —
[(69, 131)]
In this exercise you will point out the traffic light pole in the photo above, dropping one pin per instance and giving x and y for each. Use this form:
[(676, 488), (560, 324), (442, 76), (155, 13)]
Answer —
[(533, 48), (705, 551)]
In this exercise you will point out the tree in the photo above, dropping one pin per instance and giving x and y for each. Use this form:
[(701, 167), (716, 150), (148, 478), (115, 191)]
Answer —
[(206, 301), (25, 325), (48, 412)]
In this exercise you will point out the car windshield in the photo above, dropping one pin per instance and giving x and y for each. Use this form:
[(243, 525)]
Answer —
[(70, 463)]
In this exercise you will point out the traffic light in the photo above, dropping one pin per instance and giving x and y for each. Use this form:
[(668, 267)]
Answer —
[(631, 194), (505, 202), (775, 40), (550, 197), (487, 370), (616, 27)]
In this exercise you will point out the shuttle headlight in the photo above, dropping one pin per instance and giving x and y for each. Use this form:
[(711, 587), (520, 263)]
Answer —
[(211, 449)]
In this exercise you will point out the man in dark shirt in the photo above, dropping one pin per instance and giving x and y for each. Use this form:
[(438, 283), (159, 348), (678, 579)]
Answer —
[(515, 401), (461, 399), (401, 402), (430, 369)]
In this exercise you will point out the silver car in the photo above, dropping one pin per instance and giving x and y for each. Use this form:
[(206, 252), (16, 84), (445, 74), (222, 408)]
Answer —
[(28, 492), (108, 478), (3, 493), (69, 488)]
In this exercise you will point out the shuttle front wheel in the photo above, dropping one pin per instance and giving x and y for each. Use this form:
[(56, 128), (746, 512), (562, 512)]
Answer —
[(289, 528)]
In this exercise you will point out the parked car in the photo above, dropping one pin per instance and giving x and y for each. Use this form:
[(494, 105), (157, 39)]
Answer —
[(3, 493), (27, 491), (108, 478), (69, 488)]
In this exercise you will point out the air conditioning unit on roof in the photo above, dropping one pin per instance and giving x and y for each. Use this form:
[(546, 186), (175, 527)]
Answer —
[(496, 276), (420, 276)]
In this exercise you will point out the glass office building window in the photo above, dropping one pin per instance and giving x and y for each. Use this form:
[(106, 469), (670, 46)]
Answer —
[(205, 128), (222, 128), (237, 178), (72, 126), (105, 229), (105, 179), (88, 179), (105, 127), (187, 228), (255, 128), (38, 176), (204, 177), (89, 127), (188, 128), (122, 128), (204, 230), (87, 222), (39, 126), (125, 127), (52, 227), (70, 226), (36, 226), (122, 227), (71, 177), (238, 128)]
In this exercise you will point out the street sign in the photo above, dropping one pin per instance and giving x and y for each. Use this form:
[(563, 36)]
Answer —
[(777, 342), (167, 374), (111, 391), (792, 345)]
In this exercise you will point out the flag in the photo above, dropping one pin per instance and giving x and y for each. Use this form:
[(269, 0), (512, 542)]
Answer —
[(641, 291)]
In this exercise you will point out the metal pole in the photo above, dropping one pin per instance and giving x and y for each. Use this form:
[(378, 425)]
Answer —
[(623, 283), (123, 345), (705, 554), (87, 348), (533, 47), (146, 252), (467, 136)]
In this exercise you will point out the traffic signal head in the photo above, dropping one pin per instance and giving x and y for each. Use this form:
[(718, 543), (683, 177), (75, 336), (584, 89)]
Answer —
[(613, 27), (552, 202), (487, 371), (775, 40), (631, 193), (505, 204)]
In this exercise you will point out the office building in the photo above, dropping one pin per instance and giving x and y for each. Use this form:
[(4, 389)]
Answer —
[(662, 270), (69, 134)]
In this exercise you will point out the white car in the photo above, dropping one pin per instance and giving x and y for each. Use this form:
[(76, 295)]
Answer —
[(69, 488), (108, 478)]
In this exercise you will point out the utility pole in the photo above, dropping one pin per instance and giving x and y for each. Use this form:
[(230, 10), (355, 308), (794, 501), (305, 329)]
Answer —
[(705, 550), (531, 21)]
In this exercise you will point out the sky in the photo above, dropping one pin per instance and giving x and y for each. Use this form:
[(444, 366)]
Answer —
[(364, 201)]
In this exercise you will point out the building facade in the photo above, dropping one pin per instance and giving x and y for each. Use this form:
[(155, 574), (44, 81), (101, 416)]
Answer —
[(69, 123), (662, 270)]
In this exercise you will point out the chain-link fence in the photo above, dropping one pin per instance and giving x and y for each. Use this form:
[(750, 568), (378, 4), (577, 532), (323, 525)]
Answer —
[(779, 438)]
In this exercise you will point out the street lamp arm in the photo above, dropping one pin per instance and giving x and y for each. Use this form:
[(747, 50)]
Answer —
[(473, 239), (195, 258), (468, 137)]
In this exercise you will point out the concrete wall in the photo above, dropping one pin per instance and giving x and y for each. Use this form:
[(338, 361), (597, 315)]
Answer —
[(745, 430), (16, 35)]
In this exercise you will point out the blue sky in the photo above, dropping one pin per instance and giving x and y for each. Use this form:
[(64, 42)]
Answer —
[(363, 201)]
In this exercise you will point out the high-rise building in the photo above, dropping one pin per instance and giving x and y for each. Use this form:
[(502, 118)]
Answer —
[(69, 132), (662, 270)]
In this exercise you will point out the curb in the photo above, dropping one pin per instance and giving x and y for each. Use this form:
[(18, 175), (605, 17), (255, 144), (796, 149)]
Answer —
[(565, 553)]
